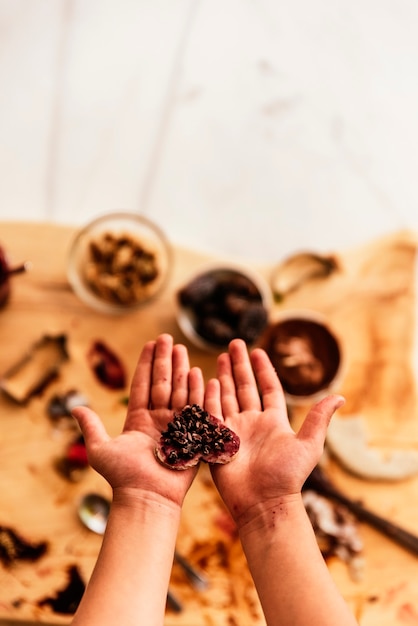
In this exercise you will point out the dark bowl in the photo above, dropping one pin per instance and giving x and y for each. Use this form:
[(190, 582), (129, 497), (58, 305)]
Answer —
[(220, 303), (306, 354)]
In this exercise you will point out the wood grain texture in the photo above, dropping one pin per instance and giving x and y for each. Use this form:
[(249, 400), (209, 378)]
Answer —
[(370, 304)]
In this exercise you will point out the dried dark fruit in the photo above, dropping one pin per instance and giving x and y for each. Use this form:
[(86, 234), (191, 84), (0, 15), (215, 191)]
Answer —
[(215, 329), (67, 600), (252, 322), (224, 304), (194, 435), (106, 365), (13, 547), (6, 273), (4, 278), (198, 290)]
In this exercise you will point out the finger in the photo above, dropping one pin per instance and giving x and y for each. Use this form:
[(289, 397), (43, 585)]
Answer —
[(212, 401), (196, 386), (161, 377), (314, 427), (245, 383), (91, 426), (139, 396), (269, 385), (180, 381), (228, 394)]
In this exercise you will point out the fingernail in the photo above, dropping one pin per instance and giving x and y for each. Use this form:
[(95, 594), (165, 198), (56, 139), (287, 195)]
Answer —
[(339, 402)]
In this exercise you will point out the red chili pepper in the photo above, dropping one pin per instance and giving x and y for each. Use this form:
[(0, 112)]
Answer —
[(77, 455)]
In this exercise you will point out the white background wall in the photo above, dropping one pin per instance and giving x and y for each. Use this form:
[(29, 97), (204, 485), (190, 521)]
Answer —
[(246, 127)]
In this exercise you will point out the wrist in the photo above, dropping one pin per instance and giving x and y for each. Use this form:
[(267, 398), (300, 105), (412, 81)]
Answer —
[(270, 516), (138, 549), (143, 523), (142, 504), (288, 569)]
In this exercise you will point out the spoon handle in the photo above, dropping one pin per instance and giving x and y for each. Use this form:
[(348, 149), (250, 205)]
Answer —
[(393, 531), (19, 269), (198, 580), (319, 482), (173, 602)]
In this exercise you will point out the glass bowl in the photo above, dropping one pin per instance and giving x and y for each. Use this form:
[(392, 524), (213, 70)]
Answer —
[(221, 302), (118, 262), (306, 354)]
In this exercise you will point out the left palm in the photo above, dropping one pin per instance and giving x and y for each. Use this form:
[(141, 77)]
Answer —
[(163, 383)]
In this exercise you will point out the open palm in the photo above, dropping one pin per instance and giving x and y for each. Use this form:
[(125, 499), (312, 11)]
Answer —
[(162, 383), (273, 461)]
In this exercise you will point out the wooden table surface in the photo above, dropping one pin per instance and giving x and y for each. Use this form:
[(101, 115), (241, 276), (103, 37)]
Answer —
[(41, 505)]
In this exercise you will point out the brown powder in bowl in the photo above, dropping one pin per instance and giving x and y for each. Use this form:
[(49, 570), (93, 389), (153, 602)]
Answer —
[(305, 354)]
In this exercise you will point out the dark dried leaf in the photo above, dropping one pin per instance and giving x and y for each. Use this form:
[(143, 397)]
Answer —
[(107, 366), (67, 600)]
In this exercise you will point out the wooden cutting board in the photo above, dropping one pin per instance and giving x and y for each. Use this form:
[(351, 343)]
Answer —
[(376, 282)]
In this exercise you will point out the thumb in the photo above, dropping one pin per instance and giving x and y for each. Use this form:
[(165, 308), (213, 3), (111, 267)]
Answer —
[(91, 426), (314, 427)]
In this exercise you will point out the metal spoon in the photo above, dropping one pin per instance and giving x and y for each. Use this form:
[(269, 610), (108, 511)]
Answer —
[(93, 512)]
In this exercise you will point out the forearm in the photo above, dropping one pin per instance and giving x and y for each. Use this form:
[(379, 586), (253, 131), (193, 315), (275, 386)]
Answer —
[(137, 550), (289, 572)]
